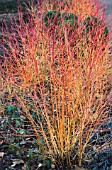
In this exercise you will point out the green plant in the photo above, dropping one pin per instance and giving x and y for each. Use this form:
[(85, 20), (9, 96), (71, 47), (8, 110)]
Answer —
[(63, 96)]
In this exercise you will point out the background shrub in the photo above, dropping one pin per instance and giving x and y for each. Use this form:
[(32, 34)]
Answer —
[(56, 66)]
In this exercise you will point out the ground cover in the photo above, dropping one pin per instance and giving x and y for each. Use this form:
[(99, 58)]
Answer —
[(93, 158)]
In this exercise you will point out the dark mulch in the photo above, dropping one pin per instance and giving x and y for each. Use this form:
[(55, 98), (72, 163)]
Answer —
[(13, 159), (20, 160)]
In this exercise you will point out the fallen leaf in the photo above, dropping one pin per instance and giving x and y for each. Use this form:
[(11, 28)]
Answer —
[(52, 166), (23, 142), (1, 154), (39, 165), (17, 162), (1, 142), (79, 168)]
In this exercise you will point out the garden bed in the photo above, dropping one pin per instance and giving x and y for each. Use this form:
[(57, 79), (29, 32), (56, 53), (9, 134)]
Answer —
[(97, 155)]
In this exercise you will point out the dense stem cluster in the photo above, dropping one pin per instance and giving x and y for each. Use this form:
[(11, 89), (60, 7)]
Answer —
[(57, 65)]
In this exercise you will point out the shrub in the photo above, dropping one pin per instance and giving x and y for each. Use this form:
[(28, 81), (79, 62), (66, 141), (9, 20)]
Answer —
[(57, 65)]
